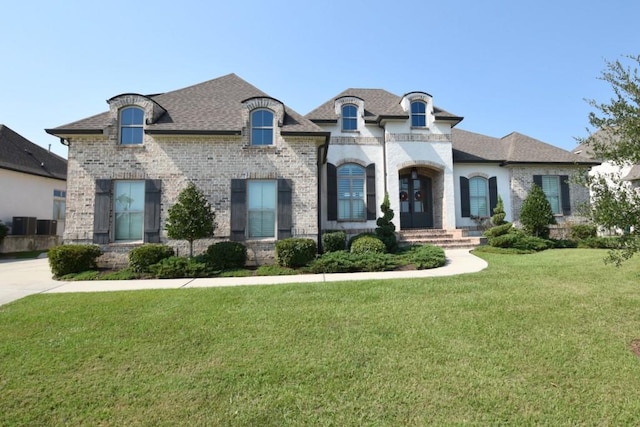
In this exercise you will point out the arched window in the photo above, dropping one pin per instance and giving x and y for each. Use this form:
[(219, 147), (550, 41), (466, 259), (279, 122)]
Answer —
[(349, 117), (131, 121), (418, 114), (351, 192), (479, 196), (262, 127)]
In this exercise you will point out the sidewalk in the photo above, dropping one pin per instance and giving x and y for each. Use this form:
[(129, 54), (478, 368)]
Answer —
[(21, 278)]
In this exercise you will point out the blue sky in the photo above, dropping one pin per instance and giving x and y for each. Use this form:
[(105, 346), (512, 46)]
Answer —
[(524, 66)]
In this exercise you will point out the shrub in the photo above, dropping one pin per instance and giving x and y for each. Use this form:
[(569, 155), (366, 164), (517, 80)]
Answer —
[(498, 213), (176, 267), (536, 213), (4, 230), (426, 256), (66, 259), (348, 262), (295, 252), (227, 255), (359, 236), (564, 243), (386, 230), (518, 240), (368, 244), (611, 242), (498, 230), (142, 257), (334, 241), (275, 270), (583, 231)]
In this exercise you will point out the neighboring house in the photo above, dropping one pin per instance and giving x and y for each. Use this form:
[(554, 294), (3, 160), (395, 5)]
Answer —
[(32, 183), (271, 173)]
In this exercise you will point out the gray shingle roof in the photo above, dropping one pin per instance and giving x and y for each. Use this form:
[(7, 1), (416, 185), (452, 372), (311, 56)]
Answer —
[(211, 106), (634, 174), (21, 155), (513, 148), (378, 103)]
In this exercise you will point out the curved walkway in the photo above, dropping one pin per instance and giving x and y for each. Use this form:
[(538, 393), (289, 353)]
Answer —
[(19, 278)]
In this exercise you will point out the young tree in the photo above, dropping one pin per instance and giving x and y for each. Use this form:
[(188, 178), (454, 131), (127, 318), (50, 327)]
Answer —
[(386, 230), (616, 203), (191, 218), (536, 213)]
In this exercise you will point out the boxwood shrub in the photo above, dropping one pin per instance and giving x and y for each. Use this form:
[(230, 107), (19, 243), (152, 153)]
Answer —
[(142, 257), (583, 231), (295, 252), (333, 241), (368, 244), (176, 267), (67, 259), (227, 255)]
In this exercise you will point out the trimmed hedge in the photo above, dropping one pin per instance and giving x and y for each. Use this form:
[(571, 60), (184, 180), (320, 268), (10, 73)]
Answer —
[(295, 252), (426, 256), (368, 244), (334, 241), (227, 255), (348, 262), (176, 267), (142, 257), (67, 259)]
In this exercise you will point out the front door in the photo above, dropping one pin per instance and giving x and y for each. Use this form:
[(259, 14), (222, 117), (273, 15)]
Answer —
[(416, 207)]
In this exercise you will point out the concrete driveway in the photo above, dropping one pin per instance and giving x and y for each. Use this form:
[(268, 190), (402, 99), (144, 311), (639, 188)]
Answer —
[(19, 278)]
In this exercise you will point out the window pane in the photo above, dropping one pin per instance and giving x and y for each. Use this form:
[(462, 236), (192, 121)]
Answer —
[(131, 116), (131, 135), (478, 190), (129, 210), (261, 202), (418, 121), (551, 188), (351, 192), (349, 117)]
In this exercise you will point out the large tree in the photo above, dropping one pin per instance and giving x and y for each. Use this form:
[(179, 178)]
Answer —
[(615, 202), (191, 218)]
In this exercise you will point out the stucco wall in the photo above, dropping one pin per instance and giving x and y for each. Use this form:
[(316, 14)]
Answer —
[(27, 195)]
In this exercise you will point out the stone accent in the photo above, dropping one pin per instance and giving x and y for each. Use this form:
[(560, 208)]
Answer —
[(356, 140), (521, 180), (418, 137), (209, 161)]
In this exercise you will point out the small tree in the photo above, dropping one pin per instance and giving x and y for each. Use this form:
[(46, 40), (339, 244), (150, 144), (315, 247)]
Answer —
[(386, 230), (536, 213), (191, 218)]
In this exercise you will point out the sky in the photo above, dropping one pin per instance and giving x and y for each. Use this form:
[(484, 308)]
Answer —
[(505, 66)]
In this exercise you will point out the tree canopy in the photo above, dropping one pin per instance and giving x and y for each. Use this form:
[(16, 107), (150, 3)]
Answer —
[(615, 202)]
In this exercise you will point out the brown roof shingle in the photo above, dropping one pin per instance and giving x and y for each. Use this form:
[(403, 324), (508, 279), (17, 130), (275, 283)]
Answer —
[(21, 155)]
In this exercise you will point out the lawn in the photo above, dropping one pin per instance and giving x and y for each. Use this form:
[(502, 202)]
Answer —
[(533, 339)]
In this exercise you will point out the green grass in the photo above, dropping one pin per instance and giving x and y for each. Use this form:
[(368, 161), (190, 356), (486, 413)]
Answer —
[(540, 339)]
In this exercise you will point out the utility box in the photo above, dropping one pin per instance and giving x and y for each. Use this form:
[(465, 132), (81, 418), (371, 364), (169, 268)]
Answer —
[(23, 225), (47, 227)]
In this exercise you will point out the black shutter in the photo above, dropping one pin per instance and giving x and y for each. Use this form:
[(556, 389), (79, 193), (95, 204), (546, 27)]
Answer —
[(102, 211), (238, 209), (285, 216), (152, 210), (465, 202), (493, 194), (565, 195), (371, 191), (332, 192), (537, 180)]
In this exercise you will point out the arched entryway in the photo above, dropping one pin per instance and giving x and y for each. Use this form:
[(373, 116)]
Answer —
[(416, 200)]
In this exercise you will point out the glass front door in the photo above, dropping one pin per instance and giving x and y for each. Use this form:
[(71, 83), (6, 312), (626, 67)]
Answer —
[(416, 207)]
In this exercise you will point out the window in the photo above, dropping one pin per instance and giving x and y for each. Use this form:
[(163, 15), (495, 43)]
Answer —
[(479, 197), (349, 117), (59, 204), (262, 127), (131, 121), (261, 207), (129, 210), (418, 114), (351, 195), (551, 188)]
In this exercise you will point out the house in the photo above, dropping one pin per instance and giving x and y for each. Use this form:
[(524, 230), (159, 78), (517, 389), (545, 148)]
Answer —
[(271, 173), (32, 186)]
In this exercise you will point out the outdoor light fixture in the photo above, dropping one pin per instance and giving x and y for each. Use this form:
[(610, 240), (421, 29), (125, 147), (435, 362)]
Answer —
[(414, 173)]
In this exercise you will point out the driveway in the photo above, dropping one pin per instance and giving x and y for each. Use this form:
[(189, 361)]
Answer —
[(19, 278)]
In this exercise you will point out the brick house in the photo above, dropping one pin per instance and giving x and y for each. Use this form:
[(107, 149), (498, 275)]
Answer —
[(271, 173)]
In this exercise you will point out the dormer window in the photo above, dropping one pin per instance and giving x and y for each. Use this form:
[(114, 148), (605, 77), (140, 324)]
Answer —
[(418, 114), (262, 127), (131, 122), (349, 117)]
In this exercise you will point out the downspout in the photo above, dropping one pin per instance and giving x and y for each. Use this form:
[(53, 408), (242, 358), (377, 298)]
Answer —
[(322, 159), (384, 156)]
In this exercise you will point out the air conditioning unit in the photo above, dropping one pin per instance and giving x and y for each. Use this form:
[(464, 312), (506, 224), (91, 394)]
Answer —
[(23, 225), (47, 227)]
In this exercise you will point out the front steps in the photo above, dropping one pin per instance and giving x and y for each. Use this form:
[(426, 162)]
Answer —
[(446, 239)]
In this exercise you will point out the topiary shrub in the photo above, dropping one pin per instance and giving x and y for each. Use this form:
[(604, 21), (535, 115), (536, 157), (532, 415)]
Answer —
[(499, 230), (227, 255), (583, 231), (67, 259), (334, 241), (386, 230), (295, 252), (498, 213), (142, 257), (176, 267), (368, 244)]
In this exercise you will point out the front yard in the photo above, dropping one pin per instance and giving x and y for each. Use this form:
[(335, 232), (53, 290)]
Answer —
[(546, 338)]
